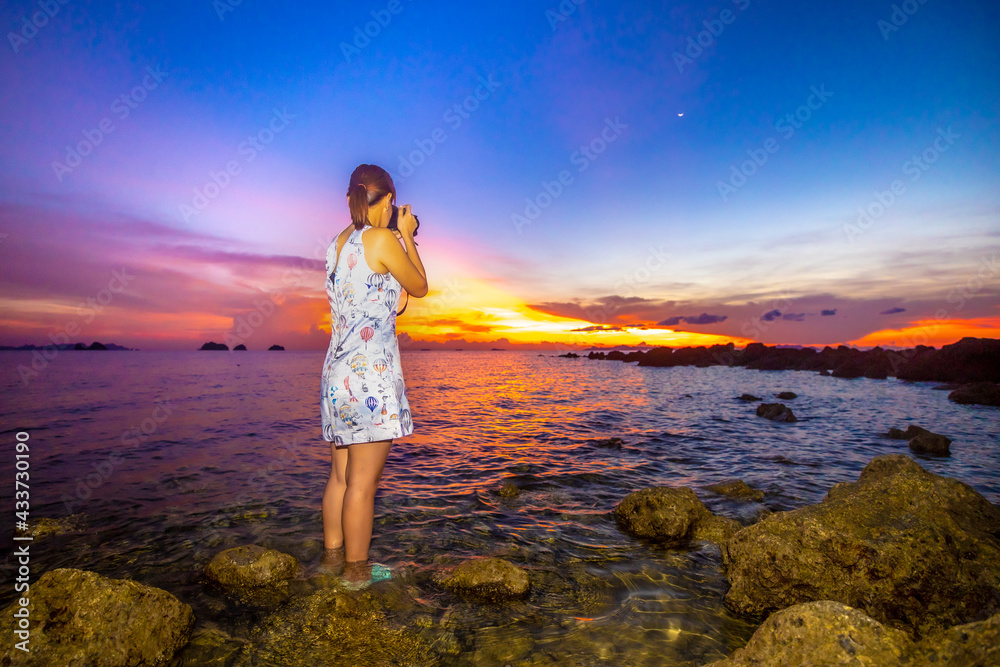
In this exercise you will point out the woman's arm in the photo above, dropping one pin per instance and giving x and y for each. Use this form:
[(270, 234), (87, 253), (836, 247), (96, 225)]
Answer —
[(404, 265)]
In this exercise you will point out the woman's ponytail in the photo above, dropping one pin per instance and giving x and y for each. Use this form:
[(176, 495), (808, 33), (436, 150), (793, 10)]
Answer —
[(358, 202), (369, 184)]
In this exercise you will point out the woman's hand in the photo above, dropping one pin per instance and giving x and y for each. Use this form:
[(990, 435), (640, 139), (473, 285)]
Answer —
[(406, 223)]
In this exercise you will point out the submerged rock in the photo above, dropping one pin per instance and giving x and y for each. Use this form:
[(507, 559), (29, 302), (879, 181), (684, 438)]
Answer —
[(609, 443), (508, 490), (921, 440), (83, 618), (671, 515), (912, 549), (750, 397), (736, 488), (331, 627), (250, 565), (911, 431), (786, 395), (488, 580), (931, 443), (977, 393), (777, 412), (821, 633)]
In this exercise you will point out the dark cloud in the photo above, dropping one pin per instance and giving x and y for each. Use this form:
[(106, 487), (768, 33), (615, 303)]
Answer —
[(598, 328), (827, 313), (794, 317), (771, 315), (704, 318), (893, 311)]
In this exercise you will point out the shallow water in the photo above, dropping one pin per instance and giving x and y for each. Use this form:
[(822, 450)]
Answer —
[(233, 454)]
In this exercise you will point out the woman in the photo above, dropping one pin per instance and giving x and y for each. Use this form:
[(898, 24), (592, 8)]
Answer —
[(364, 404)]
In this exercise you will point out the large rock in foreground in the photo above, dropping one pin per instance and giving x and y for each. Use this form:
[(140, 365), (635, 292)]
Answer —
[(83, 618), (830, 633), (912, 549), (821, 633), (488, 579), (671, 515)]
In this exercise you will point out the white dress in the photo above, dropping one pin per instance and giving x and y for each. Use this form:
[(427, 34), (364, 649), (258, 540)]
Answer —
[(363, 395)]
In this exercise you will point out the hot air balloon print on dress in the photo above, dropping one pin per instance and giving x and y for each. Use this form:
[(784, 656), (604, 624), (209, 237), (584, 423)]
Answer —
[(364, 397)]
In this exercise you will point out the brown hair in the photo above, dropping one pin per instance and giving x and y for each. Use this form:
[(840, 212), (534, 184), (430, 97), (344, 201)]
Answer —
[(369, 183)]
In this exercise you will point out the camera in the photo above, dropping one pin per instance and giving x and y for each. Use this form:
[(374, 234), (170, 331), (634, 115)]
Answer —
[(394, 220)]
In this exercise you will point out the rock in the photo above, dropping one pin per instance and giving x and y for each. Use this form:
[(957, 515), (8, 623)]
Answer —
[(332, 627), (43, 527), (826, 373), (240, 348), (921, 440), (776, 412), (211, 345), (750, 397), (671, 515), (210, 647), (488, 580), (736, 488), (911, 549), (276, 348), (610, 443), (911, 432), (977, 393), (508, 490), (570, 355), (969, 645), (931, 443), (821, 633), (83, 618), (968, 360), (250, 566), (786, 395)]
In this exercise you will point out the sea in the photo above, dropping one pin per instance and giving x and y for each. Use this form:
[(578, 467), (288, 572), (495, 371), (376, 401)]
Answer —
[(153, 462)]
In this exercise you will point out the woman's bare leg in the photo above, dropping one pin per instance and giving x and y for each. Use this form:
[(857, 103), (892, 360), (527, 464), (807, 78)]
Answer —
[(364, 470), (333, 499)]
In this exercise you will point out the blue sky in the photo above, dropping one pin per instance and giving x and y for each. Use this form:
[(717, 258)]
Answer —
[(227, 69)]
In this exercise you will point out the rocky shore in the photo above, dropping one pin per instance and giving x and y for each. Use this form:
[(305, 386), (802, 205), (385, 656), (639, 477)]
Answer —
[(970, 360), (900, 567)]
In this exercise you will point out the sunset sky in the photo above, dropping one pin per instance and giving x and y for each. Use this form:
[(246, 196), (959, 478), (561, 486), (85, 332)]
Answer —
[(590, 173)]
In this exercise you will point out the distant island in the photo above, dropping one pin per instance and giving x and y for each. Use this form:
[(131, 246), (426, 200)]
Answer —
[(212, 345), (276, 348), (240, 348), (69, 346), (498, 349)]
